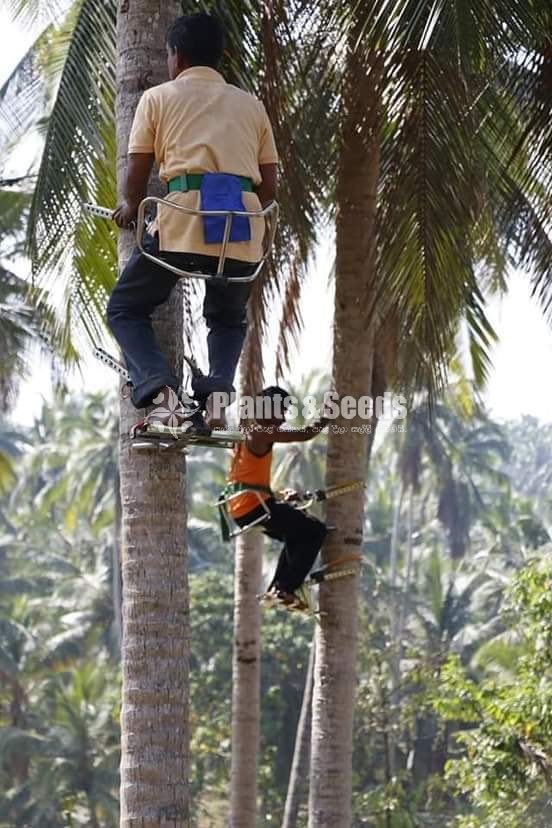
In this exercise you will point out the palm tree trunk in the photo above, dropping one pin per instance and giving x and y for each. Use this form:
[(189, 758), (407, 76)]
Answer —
[(404, 608), (400, 615), (155, 648), (394, 551), (116, 570), (393, 567), (394, 621), (246, 678), (334, 683), (300, 760)]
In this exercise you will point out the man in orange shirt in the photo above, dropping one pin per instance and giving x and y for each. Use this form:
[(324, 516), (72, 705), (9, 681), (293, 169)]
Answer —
[(301, 534), (196, 127)]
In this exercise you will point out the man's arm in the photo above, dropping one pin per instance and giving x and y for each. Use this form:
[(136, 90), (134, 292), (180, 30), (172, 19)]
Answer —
[(299, 435), (268, 187), (260, 441), (136, 187)]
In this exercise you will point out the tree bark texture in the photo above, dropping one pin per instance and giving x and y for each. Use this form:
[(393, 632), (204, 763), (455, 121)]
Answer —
[(335, 679), (155, 647), (246, 679), (300, 761)]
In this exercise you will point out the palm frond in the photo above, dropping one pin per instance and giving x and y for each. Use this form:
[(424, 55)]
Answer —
[(23, 96), (78, 165), (429, 198), (517, 142), (465, 172), (14, 204), (32, 12), (21, 325)]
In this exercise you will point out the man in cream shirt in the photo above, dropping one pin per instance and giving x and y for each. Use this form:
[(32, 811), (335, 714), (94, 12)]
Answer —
[(195, 124)]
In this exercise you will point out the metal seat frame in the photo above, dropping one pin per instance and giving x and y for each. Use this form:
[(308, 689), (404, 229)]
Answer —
[(230, 522), (301, 506), (268, 213)]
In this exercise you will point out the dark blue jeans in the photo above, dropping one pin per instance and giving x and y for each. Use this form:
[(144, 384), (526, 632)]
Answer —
[(142, 286)]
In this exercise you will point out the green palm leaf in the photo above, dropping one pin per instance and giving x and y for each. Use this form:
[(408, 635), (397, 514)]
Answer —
[(23, 96), (462, 103), (78, 126)]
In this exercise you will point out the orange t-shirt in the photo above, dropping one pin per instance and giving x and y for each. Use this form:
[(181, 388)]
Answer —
[(248, 468)]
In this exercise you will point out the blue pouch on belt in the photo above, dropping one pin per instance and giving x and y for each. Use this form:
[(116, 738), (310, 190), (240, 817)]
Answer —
[(222, 191)]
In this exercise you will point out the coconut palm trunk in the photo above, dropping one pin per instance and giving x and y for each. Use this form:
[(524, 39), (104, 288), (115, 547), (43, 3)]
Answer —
[(300, 761), (334, 682), (116, 570), (246, 679), (395, 611), (405, 598), (246, 656), (154, 717)]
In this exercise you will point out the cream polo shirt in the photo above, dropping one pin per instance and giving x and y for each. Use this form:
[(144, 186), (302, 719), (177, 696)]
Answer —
[(198, 123)]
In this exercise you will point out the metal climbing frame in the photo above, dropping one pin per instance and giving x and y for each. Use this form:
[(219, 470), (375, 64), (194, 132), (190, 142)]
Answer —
[(302, 502), (234, 529), (268, 213)]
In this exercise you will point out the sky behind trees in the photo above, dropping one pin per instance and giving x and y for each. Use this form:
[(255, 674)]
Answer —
[(517, 383)]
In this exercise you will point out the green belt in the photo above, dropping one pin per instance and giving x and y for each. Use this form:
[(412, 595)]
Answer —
[(192, 181), (231, 488)]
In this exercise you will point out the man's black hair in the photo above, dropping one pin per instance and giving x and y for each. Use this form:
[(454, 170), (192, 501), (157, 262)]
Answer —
[(199, 38), (275, 392)]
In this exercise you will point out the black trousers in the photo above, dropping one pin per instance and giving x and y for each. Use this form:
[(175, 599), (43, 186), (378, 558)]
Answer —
[(142, 286), (302, 536)]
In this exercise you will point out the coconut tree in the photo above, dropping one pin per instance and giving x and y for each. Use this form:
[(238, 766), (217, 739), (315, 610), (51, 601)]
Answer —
[(64, 750), (424, 190), (154, 716), (80, 144), (57, 751), (302, 464), (258, 64), (85, 121), (246, 680), (300, 761), (246, 654)]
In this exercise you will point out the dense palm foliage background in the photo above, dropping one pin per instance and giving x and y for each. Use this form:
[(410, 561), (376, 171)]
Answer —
[(458, 93), (453, 726)]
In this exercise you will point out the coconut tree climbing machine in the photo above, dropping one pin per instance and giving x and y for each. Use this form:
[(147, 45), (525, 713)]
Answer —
[(148, 434), (303, 601), (248, 502)]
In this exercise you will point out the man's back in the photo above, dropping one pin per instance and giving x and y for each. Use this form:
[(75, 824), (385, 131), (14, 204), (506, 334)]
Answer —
[(198, 123)]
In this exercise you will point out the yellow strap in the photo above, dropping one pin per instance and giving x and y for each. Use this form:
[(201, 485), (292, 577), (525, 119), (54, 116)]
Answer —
[(343, 488), (344, 559)]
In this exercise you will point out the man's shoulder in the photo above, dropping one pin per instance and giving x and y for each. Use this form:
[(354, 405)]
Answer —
[(243, 96), (160, 90)]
